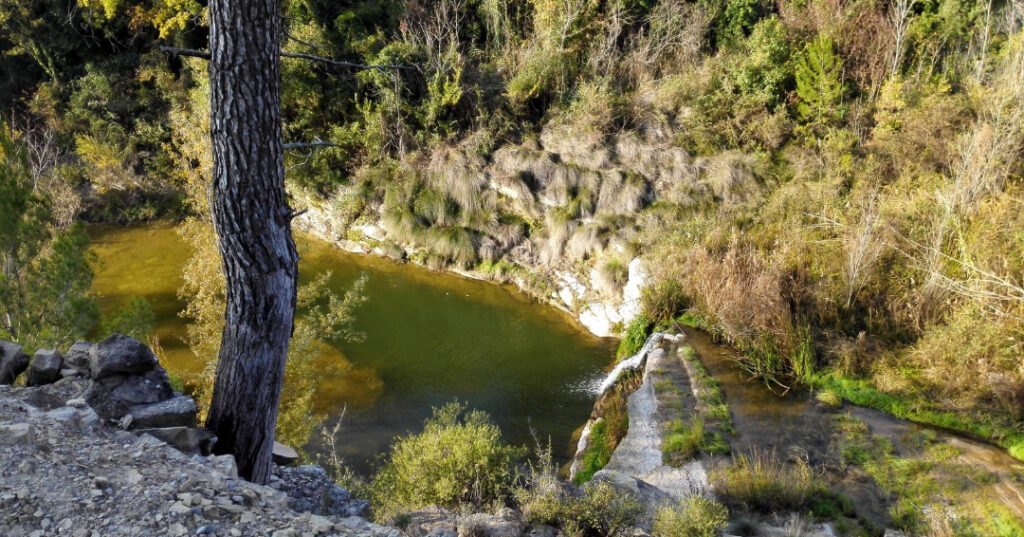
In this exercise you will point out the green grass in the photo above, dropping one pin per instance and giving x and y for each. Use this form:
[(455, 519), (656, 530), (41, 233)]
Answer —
[(683, 441), (932, 490), (597, 454), (636, 334), (861, 392)]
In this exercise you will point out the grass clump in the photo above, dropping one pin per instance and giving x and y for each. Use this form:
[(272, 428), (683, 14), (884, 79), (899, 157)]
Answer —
[(764, 484), (829, 398), (693, 517), (458, 459), (636, 334), (683, 441)]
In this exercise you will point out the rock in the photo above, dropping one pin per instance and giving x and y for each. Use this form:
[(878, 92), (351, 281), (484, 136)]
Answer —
[(13, 361), (185, 439), (226, 465), (284, 455), (44, 367), (422, 522), (643, 491), (69, 372), (120, 355), (542, 530), (113, 396), (15, 433), (505, 523), (178, 411), (78, 356), (77, 402)]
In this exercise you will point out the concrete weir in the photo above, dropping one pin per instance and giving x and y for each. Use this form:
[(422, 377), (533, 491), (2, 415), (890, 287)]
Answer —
[(637, 463)]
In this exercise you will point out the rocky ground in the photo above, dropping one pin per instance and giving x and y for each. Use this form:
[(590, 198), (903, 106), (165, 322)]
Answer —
[(63, 472)]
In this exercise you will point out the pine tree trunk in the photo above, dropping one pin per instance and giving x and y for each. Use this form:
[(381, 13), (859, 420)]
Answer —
[(253, 224)]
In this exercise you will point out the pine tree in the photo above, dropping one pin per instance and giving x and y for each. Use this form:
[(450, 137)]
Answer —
[(819, 84)]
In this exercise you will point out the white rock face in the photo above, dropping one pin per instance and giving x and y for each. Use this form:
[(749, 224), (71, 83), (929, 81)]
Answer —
[(601, 317)]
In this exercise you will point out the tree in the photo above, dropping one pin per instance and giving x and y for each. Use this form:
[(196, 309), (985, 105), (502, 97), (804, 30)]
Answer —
[(44, 272), (819, 83), (253, 224)]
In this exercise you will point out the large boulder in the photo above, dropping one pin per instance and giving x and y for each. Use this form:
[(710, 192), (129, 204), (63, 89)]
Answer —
[(120, 355), (113, 396), (13, 361), (178, 411), (78, 356), (44, 367)]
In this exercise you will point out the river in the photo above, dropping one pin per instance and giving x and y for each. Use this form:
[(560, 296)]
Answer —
[(431, 338)]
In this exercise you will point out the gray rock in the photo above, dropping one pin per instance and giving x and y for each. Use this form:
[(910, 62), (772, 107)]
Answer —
[(78, 356), (542, 530), (70, 372), (186, 439), (424, 521), (284, 455), (13, 361), (15, 433), (178, 411), (44, 367), (505, 523), (113, 396), (119, 355)]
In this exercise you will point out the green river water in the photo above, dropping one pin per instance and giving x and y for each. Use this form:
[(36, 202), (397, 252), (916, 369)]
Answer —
[(431, 338)]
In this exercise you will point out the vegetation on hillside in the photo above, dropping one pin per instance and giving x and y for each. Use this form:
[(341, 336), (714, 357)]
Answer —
[(832, 186)]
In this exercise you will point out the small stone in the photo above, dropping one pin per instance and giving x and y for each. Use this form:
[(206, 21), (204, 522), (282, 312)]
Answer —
[(180, 509), (133, 476), (284, 455), (205, 530), (235, 532), (96, 493), (247, 518), (77, 402)]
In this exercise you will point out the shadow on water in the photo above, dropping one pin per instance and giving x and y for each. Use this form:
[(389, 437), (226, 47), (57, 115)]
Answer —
[(431, 338)]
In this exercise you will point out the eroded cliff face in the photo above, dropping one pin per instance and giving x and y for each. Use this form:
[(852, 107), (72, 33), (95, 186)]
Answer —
[(565, 218)]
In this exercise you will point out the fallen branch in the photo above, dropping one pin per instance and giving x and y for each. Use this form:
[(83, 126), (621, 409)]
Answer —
[(175, 51)]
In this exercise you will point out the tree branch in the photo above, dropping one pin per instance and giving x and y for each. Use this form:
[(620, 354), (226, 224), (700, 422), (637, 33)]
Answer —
[(303, 145), (174, 51)]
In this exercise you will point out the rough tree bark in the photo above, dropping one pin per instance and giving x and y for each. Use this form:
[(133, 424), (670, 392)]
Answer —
[(253, 224)]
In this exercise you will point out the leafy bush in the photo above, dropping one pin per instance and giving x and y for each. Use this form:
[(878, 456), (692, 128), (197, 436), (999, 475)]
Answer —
[(458, 459), (693, 517)]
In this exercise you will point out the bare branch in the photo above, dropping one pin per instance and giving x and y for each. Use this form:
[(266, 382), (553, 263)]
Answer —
[(174, 51)]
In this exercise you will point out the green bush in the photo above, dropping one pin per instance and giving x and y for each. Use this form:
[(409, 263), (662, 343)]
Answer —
[(459, 459), (636, 335), (693, 517), (602, 510), (135, 319)]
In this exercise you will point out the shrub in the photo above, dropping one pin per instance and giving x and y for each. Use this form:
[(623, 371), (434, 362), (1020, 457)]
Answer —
[(602, 511), (458, 459), (636, 335), (693, 517), (135, 319)]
